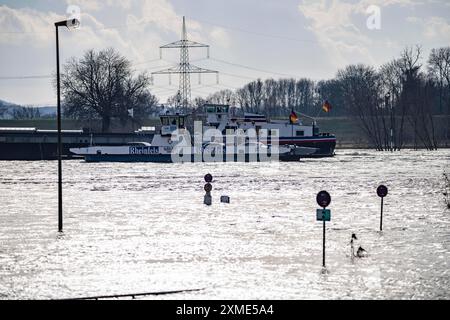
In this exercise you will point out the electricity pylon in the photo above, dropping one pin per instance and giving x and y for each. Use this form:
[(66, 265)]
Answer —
[(184, 68)]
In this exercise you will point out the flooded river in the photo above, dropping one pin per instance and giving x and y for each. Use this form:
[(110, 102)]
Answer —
[(143, 227)]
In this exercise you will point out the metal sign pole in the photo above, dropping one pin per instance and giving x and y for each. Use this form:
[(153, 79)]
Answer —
[(381, 216), (382, 192), (323, 199), (323, 258)]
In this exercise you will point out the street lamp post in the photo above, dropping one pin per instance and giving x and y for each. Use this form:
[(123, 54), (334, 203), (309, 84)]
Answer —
[(72, 23)]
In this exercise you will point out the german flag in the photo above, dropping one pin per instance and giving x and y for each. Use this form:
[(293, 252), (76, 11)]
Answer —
[(293, 118), (326, 106)]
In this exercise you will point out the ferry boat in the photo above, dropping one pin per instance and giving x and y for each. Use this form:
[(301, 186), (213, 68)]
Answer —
[(219, 118)]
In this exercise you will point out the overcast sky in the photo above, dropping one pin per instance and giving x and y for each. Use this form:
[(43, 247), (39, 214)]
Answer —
[(248, 39)]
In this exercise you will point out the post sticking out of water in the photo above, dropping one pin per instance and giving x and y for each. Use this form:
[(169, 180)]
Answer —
[(207, 199), (382, 192), (208, 187), (381, 215), (323, 245)]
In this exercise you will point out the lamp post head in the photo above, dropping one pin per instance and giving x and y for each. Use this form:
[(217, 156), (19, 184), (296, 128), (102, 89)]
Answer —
[(70, 24)]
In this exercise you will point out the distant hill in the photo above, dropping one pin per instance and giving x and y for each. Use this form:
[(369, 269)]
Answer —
[(7, 110)]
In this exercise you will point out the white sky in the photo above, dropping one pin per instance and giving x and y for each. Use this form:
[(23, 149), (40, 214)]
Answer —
[(248, 38)]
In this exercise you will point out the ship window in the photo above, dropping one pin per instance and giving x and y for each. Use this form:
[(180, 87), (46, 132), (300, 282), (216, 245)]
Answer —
[(300, 133)]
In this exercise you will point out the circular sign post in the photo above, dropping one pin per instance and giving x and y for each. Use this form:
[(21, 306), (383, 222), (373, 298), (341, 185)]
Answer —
[(208, 177), (382, 192), (208, 187), (207, 199), (323, 199)]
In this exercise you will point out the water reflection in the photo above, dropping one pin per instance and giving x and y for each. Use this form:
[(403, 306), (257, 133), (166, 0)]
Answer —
[(143, 227)]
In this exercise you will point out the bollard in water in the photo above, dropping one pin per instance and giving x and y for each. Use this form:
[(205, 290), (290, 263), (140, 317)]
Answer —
[(207, 198)]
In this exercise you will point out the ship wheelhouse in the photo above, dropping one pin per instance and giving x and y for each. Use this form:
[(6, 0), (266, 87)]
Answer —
[(170, 123)]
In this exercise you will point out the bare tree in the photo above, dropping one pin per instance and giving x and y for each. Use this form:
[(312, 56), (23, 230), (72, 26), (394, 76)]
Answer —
[(255, 95), (102, 85), (391, 81), (222, 97), (415, 98), (361, 93), (26, 113), (439, 70)]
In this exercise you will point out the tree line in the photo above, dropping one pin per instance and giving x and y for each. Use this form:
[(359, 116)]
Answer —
[(102, 85), (398, 100)]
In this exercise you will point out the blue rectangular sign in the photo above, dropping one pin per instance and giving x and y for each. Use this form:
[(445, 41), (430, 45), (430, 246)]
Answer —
[(323, 215)]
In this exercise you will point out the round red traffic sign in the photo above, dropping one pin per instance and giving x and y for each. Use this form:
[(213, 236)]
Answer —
[(323, 199), (382, 191), (208, 177)]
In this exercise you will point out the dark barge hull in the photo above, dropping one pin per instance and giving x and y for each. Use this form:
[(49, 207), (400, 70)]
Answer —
[(325, 144), (167, 158), (42, 144)]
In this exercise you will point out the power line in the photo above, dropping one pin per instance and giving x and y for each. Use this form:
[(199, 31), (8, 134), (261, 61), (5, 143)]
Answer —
[(26, 77), (252, 68), (144, 21), (81, 28), (238, 76), (259, 33), (147, 61), (227, 86)]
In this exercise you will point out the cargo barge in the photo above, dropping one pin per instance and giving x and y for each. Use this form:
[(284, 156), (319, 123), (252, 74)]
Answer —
[(35, 144)]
